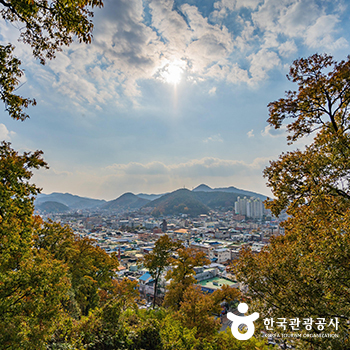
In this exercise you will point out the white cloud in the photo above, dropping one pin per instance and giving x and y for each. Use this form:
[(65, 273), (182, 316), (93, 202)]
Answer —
[(307, 20), (214, 138), (288, 17), (154, 177), (5, 134), (126, 50), (212, 91), (237, 75), (321, 34), (250, 133), (287, 48), (261, 63), (131, 44), (270, 131), (224, 7)]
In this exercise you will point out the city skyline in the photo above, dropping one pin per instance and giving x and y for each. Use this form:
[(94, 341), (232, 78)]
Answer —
[(169, 94)]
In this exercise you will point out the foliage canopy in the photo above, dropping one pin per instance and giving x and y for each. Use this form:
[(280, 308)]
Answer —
[(46, 26), (305, 273)]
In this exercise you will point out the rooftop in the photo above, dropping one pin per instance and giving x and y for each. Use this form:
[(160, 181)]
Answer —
[(216, 283)]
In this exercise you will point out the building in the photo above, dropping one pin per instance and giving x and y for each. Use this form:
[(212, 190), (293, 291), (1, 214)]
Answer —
[(212, 284), (252, 208), (220, 255)]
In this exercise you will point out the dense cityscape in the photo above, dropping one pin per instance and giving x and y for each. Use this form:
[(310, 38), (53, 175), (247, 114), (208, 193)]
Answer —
[(220, 234)]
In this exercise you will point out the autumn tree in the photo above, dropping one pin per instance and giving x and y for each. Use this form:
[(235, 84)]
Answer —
[(305, 273), (319, 108), (200, 310), (46, 26), (125, 292), (157, 260), (32, 283), (181, 275), (197, 311)]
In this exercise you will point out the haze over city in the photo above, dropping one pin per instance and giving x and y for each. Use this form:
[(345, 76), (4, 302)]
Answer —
[(169, 94)]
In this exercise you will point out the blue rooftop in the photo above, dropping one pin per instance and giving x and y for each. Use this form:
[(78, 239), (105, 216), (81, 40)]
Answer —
[(145, 277)]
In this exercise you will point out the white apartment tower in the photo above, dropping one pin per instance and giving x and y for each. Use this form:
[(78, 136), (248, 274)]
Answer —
[(252, 207)]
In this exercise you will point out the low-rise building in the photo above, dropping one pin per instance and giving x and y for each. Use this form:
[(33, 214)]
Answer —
[(220, 255), (212, 284)]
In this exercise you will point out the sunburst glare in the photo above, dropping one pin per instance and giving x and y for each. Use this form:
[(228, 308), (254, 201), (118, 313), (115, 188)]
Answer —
[(172, 72)]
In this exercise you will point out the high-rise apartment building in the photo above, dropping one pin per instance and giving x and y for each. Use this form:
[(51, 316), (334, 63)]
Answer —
[(251, 208)]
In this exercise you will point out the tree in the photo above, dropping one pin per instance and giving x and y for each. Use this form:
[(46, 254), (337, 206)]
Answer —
[(125, 292), (182, 275), (46, 27), (197, 310), (305, 273), (159, 259), (32, 283), (177, 336), (320, 105), (90, 268), (226, 293), (40, 263)]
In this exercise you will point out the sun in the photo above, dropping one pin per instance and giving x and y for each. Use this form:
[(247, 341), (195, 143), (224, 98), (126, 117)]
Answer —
[(172, 72)]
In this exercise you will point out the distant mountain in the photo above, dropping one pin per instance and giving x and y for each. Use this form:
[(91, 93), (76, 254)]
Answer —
[(199, 200), (150, 197), (125, 201), (203, 188), (239, 192), (180, 201), (52, 207), (216, 199), (70, 200)]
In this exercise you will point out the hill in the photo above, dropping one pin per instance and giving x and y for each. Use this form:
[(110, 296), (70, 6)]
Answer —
[(231, 189), (215, 199), (178, 202), (124, 202), (199, 200), (203, 188), (52, 207), (70, 200), (150, 197)]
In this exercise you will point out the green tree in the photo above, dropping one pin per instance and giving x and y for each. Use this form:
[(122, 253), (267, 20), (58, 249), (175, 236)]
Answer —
[(46, 26), (125, 292), (305, 273), (200, 310), (159, 259), (32, 283), (181, 275), (225, 341), (91, 269), (197, 311), (176, 336)]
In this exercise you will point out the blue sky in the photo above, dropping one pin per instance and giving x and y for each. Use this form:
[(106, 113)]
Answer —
[(169, 93)]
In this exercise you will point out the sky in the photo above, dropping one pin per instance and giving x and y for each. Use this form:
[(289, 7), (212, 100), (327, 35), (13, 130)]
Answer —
[(169, 94)]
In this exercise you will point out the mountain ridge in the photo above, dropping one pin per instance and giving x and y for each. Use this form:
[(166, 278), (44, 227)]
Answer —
[(127, 200), (181, 201), (200, 199)]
